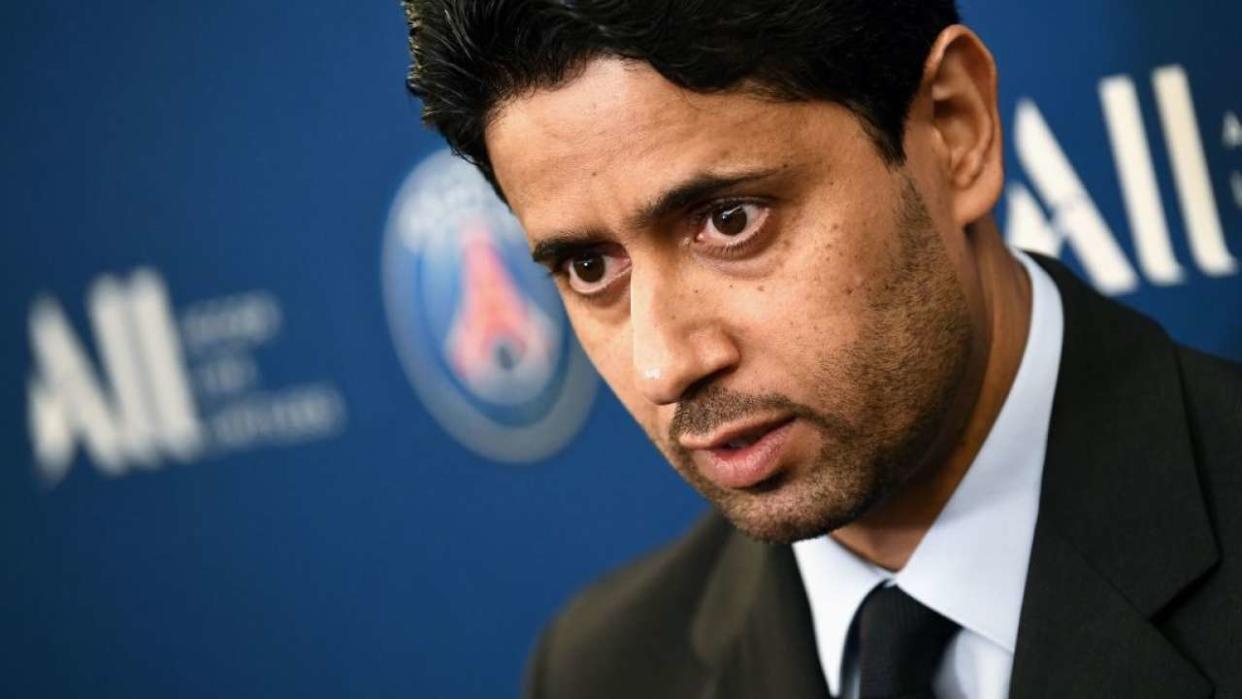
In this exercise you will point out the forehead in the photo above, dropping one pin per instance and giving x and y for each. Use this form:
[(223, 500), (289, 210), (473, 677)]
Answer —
[(619, 132)]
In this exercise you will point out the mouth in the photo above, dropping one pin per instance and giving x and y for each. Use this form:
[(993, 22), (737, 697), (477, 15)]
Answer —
[(742, 455)]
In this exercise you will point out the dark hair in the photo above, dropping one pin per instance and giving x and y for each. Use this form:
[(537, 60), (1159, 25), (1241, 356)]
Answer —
[(868, 55)]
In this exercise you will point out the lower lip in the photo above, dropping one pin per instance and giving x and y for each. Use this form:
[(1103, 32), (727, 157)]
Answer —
[(748, 466)]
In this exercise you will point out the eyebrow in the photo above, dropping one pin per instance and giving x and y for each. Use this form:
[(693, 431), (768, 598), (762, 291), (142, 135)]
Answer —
[(700, 186), (562, 245)]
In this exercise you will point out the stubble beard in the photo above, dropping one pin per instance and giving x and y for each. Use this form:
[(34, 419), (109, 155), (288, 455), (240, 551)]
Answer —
[(890, 395)]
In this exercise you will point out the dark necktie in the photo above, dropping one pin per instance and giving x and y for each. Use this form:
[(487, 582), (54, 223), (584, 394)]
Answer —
[(900, 643)]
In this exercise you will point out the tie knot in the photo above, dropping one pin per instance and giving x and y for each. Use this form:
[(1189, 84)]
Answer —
[(901, 642)]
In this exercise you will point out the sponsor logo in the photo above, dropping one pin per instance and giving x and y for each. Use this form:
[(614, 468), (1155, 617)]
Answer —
[(479, 328), (1056, 212), (164, 391)]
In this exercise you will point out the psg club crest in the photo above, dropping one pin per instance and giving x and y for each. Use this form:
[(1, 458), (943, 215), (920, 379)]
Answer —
[(478, 326)]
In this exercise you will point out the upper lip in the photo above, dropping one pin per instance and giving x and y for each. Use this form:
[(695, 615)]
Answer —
[(734, 430)]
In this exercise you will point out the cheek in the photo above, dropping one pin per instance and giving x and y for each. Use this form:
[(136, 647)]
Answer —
[(610, 352), (644, 412), (811, 304), (603, 346)]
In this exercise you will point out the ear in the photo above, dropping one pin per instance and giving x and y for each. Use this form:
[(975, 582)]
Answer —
[(958, 93)]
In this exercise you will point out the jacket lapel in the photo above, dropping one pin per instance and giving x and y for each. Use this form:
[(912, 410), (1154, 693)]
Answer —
[(1079, 637), (1121, 529), (753, 626)]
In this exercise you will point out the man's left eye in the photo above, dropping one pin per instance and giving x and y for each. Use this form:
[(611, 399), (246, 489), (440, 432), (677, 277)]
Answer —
[(733, 222)]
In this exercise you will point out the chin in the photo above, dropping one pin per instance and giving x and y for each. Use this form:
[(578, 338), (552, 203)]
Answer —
[(792, 512)]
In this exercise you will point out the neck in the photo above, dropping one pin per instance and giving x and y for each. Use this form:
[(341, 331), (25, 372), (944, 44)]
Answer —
[(889, 532)]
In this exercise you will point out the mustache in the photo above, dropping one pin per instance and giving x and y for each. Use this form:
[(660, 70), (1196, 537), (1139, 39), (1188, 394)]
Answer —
[(715, 405)]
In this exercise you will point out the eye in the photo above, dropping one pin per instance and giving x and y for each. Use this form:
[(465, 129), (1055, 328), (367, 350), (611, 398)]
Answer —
[(591, 272), (732, 223)]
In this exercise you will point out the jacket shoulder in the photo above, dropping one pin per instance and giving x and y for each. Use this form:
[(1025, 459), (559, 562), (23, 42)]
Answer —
[(1207, 623), (629, 633), (1213, 389)]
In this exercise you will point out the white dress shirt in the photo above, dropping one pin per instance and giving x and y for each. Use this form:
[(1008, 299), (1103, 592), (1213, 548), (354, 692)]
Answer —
[(971, 564)]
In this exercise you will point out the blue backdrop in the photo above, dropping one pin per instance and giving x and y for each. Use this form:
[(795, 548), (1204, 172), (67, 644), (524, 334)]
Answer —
[(258, 385)]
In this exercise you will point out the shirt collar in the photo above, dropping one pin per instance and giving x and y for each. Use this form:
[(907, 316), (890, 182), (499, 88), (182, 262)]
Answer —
[(971, 564)]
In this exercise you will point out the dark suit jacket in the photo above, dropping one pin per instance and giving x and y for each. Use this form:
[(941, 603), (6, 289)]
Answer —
[(1135, 581)]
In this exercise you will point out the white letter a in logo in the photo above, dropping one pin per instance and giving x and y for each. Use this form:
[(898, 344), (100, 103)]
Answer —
[(149, 411)]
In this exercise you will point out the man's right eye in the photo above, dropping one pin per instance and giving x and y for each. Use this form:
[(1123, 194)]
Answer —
[(593, 272)]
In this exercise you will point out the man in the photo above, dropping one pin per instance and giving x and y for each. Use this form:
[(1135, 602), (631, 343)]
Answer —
[(770, 223)]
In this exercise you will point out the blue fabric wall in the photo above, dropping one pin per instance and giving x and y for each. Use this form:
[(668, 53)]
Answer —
[(241, 454)]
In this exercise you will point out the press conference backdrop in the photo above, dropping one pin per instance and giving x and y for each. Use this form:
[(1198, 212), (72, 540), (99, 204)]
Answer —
[(286, 412)]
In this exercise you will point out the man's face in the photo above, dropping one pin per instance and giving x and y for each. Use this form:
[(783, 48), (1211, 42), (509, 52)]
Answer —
[(777, 307)]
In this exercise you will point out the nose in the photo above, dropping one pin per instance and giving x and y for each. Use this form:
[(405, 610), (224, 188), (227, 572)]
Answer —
[(678, 337)]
